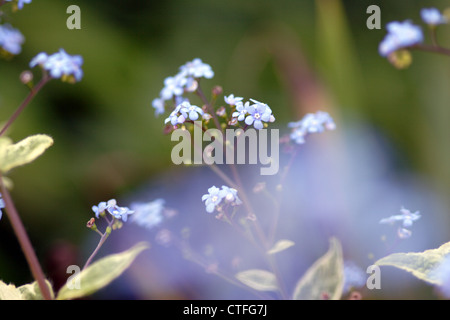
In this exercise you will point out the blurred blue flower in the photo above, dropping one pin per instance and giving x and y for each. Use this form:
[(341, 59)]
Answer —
[(311, 123), (20, 3), (197, 69), (99, 209), (432, 16), (407, 217), (2, 205), (158, 104), (60, 64), (354, 276), (400, 35), (148, 214), (11, 39), (173, 86)]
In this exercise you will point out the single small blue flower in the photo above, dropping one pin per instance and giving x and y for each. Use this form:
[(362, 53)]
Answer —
[(232, 100), (190, 111), (158, 104), (99, 209), (11, 39), (148, 214), (432, 16), (20, 3), (212, 199), (400, 35), (241, 111), (258, 113), (175, 118)]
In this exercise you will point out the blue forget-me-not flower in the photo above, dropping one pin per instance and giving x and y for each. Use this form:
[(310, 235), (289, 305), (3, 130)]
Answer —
[(400, 35), (432, 16), (11, 39), (60, 64)]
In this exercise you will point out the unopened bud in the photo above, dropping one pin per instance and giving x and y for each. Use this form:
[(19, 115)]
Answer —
[(26, 77), (91, 224), (221, 111), (217, 91)]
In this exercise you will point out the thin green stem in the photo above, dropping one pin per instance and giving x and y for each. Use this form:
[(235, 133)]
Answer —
[(24, 242), (25, 102), (100, 243)]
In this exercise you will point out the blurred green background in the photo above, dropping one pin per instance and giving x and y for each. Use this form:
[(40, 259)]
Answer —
[(297, 56)]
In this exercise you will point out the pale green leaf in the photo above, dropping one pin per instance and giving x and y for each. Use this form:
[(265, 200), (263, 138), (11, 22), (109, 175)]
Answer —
[(325, 278), (257, 279), (281, 245), (421, 264), (23, 152), (33, 292), (9, 292), (99, 274)]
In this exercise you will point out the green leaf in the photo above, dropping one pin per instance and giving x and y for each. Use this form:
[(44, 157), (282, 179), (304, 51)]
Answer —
[(325, 278), (23, 152), (421, 264), (281, 245), (100, 273), (257, 279), (33, 292), (9, 292)]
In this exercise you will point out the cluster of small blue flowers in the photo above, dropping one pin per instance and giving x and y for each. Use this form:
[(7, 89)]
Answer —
[(216, 197), (113, 209), (11, 39), (2, 205), (186, 80), (405, 34), (184, 111), (148, 215), (252, 114), (310, 123), (407, 217), (60, 65), (20, 3)]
